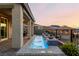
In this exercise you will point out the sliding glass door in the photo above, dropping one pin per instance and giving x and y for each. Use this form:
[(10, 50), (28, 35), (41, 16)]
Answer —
[(3, 28)]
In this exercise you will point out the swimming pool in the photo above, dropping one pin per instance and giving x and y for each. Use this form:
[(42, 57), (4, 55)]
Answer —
[(39, 42)]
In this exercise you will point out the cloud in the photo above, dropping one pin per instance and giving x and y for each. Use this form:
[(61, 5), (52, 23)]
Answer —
[(56, 13)]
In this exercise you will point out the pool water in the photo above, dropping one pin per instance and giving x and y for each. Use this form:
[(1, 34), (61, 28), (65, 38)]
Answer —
[(39, 42)]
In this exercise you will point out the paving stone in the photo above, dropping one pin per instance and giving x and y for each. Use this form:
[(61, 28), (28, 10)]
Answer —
[(26, 51), (50, 51)]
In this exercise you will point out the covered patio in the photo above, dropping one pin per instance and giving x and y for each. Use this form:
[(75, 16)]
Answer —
[(15, 19)]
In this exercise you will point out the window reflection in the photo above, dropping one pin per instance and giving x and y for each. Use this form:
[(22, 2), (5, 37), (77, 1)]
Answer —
[(3, 27)]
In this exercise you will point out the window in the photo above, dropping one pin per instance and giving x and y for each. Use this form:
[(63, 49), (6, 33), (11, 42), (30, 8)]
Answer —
[(3, 28)]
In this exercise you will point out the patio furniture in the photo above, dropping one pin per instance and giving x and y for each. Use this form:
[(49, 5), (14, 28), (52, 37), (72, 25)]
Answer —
[(54, 42)]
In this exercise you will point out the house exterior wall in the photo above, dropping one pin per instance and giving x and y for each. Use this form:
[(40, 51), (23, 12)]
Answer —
[(15, 25), (6, 44)]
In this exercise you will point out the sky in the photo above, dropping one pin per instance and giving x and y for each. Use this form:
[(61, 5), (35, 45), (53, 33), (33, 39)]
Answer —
[(56, 14)]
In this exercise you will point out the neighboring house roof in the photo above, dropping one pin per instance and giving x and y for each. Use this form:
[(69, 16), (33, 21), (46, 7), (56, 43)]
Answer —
[(27, 9)]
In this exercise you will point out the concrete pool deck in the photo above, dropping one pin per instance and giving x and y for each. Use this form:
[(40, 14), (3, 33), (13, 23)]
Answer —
[(51, 51)]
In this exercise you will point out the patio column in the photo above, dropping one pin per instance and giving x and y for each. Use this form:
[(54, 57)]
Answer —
[(33, 28), (17, 26), (56, 33), (71, 35), (29, 29)]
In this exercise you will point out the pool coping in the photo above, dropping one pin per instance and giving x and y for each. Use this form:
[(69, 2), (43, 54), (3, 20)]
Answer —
[(51, 51)]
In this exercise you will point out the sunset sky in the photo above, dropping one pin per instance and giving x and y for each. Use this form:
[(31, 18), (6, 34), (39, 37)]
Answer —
[(56, 13)]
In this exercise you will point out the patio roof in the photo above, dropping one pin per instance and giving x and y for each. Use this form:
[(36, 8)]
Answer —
[(27, 9)]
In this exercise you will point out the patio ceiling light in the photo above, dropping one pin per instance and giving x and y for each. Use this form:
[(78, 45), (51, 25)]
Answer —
[(3, 25)]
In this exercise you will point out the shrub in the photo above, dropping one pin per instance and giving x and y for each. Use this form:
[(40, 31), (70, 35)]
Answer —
[(70, 49), (38, 32)]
